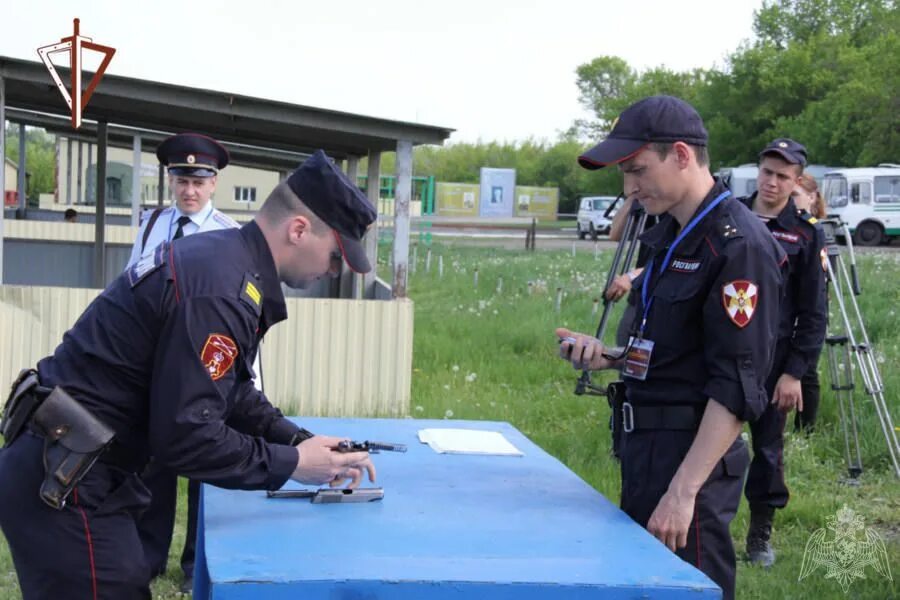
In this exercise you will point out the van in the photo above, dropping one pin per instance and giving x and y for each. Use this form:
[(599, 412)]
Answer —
[(591, 216), (867, 200)]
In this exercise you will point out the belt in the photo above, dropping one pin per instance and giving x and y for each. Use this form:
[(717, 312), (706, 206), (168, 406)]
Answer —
[(679, 417)]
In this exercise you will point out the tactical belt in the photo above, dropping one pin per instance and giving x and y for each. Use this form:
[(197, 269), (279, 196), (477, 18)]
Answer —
[(683, 417)]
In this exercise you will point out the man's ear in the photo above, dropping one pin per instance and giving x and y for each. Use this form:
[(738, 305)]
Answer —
[(298, 227), (683, 154), (212, 181)]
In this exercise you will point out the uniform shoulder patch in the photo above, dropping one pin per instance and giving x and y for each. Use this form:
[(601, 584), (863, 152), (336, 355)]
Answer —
[(740, 298), (147, 264), (728, 228), (224, 220), (251, 294), (218, 355)]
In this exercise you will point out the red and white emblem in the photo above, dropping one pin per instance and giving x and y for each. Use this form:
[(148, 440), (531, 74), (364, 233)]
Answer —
[(740, 298), (219, 353)]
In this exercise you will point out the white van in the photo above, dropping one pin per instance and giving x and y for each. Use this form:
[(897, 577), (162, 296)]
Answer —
[(868, 200), (591, 216), (740, 180)]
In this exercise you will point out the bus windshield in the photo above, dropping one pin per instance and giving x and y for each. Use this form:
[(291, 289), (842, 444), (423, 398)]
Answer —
[(834, 189)]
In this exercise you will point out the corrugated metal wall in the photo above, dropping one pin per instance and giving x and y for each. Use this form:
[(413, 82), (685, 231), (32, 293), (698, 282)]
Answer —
[(330, 358)]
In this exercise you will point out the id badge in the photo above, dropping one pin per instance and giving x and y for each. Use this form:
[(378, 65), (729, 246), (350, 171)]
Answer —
[(637, 362)]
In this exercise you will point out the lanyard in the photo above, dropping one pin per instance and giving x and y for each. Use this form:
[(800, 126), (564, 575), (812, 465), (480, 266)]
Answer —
[(665, 263)]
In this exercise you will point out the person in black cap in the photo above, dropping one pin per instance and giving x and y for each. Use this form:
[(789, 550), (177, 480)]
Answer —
[(801, 333), (193, 162), (700, 343), (197, 307)]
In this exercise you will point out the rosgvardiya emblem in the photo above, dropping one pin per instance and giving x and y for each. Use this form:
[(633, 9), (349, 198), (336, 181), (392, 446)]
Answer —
[(846, 557)]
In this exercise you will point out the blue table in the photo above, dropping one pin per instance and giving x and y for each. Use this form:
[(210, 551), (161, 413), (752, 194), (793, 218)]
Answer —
[(450, 526)]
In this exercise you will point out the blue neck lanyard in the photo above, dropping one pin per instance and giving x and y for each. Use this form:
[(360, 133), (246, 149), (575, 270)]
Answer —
[(648, 271)]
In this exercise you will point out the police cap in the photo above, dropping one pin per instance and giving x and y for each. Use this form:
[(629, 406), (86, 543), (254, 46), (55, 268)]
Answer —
[(662, 119), (330, 194), (786, 148), (192, 154)]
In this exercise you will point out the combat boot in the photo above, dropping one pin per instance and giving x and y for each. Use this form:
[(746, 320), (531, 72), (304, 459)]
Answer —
[(759, 548)]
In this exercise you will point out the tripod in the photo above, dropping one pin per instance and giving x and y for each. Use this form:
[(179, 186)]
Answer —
[(634, 225), (852, 338)]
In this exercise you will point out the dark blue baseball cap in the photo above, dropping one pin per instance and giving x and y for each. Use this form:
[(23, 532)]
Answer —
[(786, 148), (192, 154), (330, 194), (663, 119)]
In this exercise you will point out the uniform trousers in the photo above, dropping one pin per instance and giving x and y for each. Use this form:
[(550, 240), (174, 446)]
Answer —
[(649, 462), (89, 550)]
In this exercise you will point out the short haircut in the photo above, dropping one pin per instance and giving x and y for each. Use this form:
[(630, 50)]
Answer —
[(283, 204), (700, 152), (799, 167)]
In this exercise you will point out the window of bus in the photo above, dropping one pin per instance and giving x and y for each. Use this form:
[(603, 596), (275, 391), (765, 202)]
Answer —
[(887, 190), (834, 189), (861, 193)]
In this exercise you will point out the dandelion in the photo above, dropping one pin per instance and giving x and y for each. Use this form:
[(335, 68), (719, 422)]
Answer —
[(470, 377), (419, 409), (446, 386), (448, 414), (454, 368)]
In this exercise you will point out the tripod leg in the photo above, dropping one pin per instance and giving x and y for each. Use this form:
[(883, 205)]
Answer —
[(842, 385)]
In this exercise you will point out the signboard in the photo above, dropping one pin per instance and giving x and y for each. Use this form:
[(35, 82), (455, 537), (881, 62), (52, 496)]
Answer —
[(498, 188)]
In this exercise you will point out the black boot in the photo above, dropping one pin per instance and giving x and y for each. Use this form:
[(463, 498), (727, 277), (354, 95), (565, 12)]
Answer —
[(759, 550)]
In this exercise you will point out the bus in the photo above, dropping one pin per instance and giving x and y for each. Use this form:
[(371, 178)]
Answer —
[(868, 200)]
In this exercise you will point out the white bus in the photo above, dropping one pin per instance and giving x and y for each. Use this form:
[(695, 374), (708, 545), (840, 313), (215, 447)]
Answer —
[(868, 200)]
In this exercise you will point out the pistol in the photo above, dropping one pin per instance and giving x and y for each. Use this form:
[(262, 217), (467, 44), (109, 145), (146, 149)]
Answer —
[(331, 495), (370, 447)]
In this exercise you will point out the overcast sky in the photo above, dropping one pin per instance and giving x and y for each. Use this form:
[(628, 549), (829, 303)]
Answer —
[(491, 69)]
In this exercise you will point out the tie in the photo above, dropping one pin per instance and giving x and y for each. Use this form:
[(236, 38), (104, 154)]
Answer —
[(182, 221)]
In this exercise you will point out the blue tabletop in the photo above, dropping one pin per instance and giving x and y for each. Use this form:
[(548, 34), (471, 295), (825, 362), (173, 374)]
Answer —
[(450, 526)]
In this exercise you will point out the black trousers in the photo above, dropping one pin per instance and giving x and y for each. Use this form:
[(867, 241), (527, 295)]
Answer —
[(806, 419), (88, 550), (765, 480), (158, 521), (649, 462)]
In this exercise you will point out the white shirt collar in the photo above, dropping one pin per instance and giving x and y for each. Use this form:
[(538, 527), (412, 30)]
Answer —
[(197, 218)]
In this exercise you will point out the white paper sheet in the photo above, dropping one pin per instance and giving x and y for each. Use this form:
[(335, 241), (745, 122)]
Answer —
[(468, 441)]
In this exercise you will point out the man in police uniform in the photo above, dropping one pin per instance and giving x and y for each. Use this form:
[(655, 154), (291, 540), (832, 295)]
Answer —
[(196, 308), (701, 342), (801, 332), (193, 162)]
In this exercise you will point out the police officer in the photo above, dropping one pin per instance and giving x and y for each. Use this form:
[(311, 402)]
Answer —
[(196, 308), (701, 341), (193, 163), (801, 333)]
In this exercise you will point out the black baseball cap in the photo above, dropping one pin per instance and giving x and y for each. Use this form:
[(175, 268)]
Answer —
[(192, 154), (664, 119), (330, 194), (786, 148)]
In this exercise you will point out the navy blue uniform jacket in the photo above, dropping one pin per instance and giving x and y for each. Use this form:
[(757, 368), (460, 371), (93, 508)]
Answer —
[(164, 356), (714, 315)]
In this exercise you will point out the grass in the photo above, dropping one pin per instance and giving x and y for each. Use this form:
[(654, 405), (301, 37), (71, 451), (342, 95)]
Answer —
[(489, 353)]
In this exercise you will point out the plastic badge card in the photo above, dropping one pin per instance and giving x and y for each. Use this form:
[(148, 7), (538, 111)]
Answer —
[(468, 441)]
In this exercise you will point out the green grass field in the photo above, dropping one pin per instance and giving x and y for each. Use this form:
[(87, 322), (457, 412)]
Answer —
[(484, 353)]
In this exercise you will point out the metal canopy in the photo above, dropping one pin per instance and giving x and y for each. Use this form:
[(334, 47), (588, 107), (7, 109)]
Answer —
[(123, 137), (225, 116)]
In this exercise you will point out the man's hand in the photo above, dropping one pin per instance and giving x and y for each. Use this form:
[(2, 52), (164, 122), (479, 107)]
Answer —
[(318, 463), (788, 393), (671, 519), (585, 352), (619, 287)]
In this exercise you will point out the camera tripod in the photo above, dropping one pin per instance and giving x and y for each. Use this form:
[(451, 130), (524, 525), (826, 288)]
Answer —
[(621, 263), (851, 337)]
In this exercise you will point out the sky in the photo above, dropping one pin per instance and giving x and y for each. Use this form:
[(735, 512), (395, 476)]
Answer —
[(493, 70)]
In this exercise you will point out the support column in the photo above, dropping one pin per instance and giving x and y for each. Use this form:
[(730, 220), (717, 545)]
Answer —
[(68, 171), (370, 241), (2, 167), (22, 183), (88, 196), (79, 190), (135, 182), (161, 185), (100, 194), (347, 286), (402, 195)]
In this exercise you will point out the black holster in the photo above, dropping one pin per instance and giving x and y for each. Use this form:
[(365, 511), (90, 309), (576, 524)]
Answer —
[(24, 397), (73, 440), (615, 394)]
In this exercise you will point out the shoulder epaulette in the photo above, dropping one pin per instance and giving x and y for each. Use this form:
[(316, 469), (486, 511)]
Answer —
[(806, 216), (224, 219), (728, 228), (250, 293)]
